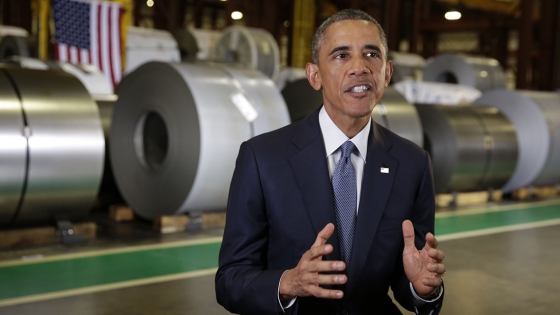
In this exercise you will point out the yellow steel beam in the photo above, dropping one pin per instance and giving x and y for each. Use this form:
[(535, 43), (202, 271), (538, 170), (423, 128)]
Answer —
[(304, 28)]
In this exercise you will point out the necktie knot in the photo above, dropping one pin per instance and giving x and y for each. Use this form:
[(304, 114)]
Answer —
[(347, 148)]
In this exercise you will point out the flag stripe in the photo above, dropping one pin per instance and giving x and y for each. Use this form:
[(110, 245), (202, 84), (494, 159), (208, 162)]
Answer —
[(94, 33), (115, 42), (109, 41)]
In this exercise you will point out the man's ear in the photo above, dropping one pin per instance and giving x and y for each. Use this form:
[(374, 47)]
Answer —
[(388, 72), (313, 75)]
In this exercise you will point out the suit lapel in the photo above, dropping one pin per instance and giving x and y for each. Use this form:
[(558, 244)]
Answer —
[(311, 171), (376, 188)]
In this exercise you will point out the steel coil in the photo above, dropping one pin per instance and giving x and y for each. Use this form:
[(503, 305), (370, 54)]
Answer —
[(177, 129), (472, 148), (13, 151), (536, 116), (65, 146), (478, 72), (253, 48), (187, 45), (395, 113)]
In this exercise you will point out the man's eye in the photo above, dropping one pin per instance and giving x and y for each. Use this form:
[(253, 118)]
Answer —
[(341, 56)]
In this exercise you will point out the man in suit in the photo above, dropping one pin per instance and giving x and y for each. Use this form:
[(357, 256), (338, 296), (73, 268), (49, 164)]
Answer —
[(326, 214)]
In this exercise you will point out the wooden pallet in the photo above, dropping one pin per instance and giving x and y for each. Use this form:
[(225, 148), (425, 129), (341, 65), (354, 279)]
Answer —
[(467, 198), (180, 223), (121, 213), (536, 192), (17, 238)]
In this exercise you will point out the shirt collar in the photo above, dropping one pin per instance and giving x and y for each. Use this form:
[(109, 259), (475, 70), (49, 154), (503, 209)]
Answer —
[(334, 137)]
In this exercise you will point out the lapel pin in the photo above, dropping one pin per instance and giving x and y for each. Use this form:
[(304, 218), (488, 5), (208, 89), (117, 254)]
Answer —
[(385, 170)]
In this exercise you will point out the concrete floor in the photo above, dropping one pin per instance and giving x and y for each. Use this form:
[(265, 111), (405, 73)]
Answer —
[(510, 273)]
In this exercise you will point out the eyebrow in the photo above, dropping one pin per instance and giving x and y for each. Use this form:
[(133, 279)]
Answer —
[(344, 48)]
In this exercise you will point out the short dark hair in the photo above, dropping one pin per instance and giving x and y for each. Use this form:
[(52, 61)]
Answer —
[(347, 14)]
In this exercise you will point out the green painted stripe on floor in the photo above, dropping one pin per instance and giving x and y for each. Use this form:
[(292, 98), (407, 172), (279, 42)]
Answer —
[(74, 273), (479, 221), (17, 281)]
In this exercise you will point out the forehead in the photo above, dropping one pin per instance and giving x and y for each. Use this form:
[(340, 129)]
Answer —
[(350, 33)]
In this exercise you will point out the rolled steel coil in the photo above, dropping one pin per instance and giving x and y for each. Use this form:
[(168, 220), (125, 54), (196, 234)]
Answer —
[(13, 151), (176, 133), (406, 66), (65, 146), (536, 116), (253, 48), (186, 42), (101, 91), (478, 72), (472, 148), (395, 113)]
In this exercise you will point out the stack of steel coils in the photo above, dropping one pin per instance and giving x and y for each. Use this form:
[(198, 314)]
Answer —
[(253, 48), (472, 148), (177, 129), (52, 147), (478, 72), (536, 116)]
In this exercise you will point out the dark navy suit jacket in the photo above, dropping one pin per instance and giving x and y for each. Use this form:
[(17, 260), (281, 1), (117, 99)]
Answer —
[(281, 197)]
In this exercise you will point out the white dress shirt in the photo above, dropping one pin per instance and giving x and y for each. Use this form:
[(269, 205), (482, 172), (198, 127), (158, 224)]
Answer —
[(334, 138)]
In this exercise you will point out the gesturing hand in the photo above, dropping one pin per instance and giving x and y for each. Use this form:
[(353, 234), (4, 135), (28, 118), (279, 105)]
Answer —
[(424, 268), (305, 278)]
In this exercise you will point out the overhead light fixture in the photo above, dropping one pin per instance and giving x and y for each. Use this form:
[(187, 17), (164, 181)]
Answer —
[(150, 3), (452, 15), (236, 15)]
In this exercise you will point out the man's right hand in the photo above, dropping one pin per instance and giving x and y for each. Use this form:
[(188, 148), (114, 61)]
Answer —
[(305, 279)]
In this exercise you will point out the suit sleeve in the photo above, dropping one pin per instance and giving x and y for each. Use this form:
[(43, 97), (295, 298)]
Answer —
[(243, 282), (422, 217)]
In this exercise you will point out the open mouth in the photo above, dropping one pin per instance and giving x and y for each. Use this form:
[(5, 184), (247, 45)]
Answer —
[(359, 88)]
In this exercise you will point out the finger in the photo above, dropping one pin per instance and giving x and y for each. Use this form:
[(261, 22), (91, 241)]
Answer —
[(436, 254), (324, 235), (317, 251), (439, 269), (326, 293), (324, 266), (431, 240), (432, 282), (321, 279), (408, 234)]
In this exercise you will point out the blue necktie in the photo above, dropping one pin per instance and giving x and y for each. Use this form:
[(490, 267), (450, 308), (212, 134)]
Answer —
[(345, 195)]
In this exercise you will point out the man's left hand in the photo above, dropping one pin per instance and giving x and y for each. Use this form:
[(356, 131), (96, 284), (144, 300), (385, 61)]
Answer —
[(424, 268)]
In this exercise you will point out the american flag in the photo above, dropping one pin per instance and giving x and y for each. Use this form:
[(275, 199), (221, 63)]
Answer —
[(89, 32)]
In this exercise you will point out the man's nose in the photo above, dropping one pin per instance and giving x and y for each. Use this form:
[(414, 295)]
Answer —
[(359, 66)]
